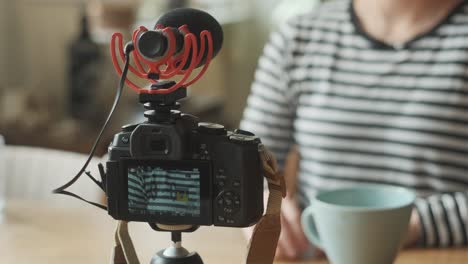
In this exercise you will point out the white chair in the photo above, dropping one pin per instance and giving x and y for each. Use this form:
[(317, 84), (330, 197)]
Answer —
[(32, 174)]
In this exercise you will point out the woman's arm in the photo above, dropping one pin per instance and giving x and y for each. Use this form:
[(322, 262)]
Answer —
[(270, 110), (270, 114), (443, 220)]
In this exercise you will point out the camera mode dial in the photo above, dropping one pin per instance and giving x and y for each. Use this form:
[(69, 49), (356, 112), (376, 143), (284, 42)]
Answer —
[(243, 139), (244, 132), (212, 129)]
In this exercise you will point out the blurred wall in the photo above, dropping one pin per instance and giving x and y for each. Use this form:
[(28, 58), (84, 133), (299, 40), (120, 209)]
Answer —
[(42, 30), (12, 39), (3, 43), (39, 31), (242, 49), (244, 45)]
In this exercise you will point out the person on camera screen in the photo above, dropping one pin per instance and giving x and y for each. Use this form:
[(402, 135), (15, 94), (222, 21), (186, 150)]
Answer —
[(370, 91)]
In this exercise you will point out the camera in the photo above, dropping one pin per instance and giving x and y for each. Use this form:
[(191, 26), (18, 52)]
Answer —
[(174, 169)]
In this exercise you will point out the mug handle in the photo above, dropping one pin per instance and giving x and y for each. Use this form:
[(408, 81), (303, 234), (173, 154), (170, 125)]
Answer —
[(309, 226)]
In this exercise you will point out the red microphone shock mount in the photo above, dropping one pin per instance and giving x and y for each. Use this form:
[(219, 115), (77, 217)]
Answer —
[(171, 64)]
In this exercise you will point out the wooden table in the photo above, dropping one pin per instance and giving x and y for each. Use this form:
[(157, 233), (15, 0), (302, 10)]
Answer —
[(33, 232)]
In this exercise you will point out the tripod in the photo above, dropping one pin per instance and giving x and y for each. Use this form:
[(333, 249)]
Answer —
[(176, 254)]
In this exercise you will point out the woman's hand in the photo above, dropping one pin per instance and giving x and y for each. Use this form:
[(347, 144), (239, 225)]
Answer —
[(414, 230), (292, 242)]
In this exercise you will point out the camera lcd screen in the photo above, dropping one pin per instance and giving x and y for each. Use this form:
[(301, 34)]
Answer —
[(167, 191), (159, 190)]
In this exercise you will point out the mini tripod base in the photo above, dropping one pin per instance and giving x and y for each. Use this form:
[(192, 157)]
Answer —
[(191, 258), (176, 253)]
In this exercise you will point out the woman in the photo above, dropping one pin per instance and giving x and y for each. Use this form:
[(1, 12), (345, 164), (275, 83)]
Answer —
[(371, 91)]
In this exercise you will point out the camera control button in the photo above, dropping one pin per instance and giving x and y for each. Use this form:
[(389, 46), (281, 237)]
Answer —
[(220, 202), (221, 177), (212, 129), (236, 199), (129, 127), (125, 139), (228, 201), (243, 139), (244, 132), (230, 221), (236, 183), (221, 183), (189, 118), (228, 193), (221, 218)]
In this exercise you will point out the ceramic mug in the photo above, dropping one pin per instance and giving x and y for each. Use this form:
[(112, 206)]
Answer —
[(361, 225)]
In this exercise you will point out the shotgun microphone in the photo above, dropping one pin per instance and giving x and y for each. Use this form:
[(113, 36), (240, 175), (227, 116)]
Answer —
[(154, 44), (181, 41)]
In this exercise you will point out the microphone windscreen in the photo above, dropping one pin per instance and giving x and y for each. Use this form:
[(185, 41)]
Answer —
[(197, 21)]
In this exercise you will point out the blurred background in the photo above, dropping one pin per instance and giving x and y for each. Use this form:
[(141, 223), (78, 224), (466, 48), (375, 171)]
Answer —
[(57, 82)]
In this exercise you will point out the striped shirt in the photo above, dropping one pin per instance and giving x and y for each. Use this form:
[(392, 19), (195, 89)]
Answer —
[(362, 111)]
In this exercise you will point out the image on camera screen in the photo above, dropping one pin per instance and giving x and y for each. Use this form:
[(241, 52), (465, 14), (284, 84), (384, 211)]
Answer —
[(158, 191)]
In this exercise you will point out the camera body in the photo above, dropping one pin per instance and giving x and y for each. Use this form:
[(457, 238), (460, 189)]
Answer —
[(176, 170)]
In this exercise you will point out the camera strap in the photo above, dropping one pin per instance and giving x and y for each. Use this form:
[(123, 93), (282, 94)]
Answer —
[(262, 245)]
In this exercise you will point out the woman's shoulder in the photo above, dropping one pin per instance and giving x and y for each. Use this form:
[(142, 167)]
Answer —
[(456, 23)]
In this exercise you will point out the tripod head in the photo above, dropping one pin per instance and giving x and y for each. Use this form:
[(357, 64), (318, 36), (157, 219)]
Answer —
[(176, 254)]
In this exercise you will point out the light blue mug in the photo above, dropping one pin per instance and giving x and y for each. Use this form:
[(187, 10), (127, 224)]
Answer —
[(361, 225)]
